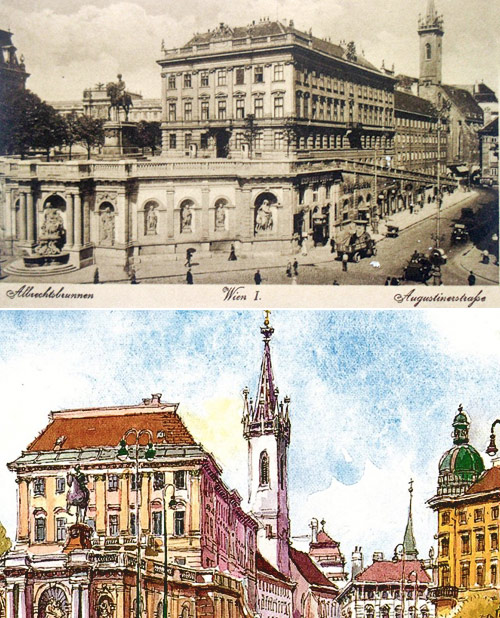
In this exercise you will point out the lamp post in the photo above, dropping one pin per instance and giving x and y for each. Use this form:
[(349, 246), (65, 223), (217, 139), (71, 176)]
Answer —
[(492, 449), (129, 453), (442, 116), (172, 504)]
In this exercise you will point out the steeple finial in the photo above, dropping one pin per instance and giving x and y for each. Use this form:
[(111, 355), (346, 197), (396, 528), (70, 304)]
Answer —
[(267, 330), (409, 544)]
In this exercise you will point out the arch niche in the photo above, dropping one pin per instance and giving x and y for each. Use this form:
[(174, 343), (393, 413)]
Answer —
[(265, 212)]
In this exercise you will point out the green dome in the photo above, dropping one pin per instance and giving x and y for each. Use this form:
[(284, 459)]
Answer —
[(463, 461)]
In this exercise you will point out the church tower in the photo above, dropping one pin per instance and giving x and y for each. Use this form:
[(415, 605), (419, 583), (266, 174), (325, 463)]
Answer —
[(409, 546), (266, 427), (430, 31)]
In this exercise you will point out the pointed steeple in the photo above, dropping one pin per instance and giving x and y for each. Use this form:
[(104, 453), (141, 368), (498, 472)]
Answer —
[(409, 544), (266, 413), (431, 10)]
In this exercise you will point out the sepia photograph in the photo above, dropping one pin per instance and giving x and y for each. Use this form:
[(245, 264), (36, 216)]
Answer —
[(343, 142), (284, 464)]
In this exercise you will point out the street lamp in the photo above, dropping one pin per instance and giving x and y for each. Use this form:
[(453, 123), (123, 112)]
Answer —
[(124, 453), (442, 116), (492, 446), (172, 504)]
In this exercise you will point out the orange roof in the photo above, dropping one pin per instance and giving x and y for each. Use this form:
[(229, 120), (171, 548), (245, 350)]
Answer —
[(263, 566), (105, 427), (309, 570), (385, 571), (489, 481)]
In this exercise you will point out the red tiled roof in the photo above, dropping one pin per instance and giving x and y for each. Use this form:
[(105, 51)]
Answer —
[(108, 428), (266, 567), (387, 571), (489, 481), (309, 570), (406, 102)]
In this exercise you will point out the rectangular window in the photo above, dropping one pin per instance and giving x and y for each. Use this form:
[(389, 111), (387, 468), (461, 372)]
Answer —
[(180, 479), (494, 540), (239, 77), (445, 546), (259, 141), (278, 140), (187, 140), (39, 487), (204, 141), (221, 109), (258, 75), (204, 110), (479, 541), (204, 79), (114, 529), (171, 81), (187, 80), (188, 110), (172, 141), (60, 529), (240, 108), (494, 512), (40, 529), (464, 576), (113, 482), (133, 530), (278, 107), (60, 485), (462, 517), (493, 576), (465, 544), (158, 480), (259, 107), (179, 523), (221, 77), (157, 523), (278, 73), (135, 483), (172, 111)]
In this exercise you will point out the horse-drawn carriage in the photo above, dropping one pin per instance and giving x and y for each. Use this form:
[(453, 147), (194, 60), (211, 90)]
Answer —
[(355, 245)]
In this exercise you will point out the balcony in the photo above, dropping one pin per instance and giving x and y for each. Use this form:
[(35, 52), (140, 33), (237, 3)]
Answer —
[(442, 592)]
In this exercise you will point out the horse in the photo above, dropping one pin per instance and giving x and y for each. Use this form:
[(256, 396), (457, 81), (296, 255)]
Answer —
[(78, 495), (118, 99)]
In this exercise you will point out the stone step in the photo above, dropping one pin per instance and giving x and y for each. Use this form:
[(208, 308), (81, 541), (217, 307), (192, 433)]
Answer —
[(18, 268)]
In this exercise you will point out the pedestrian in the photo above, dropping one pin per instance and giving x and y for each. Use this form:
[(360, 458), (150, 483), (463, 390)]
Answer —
[(189, 277), (486, 257), (289, 270), (332, 245), (295, 268), (411, 208), (96, 275), (345, 259), (394, 281), (189, 254), (133, 278), (257, 277), (335, 282), (471, 278), (304, 245), (232, 255), (388, 281)]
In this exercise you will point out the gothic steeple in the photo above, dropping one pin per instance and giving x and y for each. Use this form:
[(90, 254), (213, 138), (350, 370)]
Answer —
[(409, 544), (430, 31)]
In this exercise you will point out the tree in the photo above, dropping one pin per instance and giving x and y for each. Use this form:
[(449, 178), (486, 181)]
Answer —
[(5, 542), (250, 132), (71, 136), (148, 135), (30, 124), (90, 132), (291, 132), (351, 51)]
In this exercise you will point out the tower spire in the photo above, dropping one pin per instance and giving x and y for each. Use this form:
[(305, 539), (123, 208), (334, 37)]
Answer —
[(409, 544)]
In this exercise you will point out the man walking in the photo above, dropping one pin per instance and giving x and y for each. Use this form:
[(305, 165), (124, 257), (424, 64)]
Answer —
[(189, 277), (257, 278), (345, 259), (471, 278)]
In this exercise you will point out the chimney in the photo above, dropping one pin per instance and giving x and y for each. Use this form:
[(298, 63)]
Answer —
[(378, 556), (356, 562), (155, 399), (314, 530)]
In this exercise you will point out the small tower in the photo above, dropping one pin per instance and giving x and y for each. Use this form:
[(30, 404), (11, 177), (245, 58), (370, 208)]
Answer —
[(409, 545), (430, 31), (266, 427)]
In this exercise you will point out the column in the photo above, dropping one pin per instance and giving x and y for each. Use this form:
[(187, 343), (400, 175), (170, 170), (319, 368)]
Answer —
[(170, 212), (205, 193), (22, 215), (75, 601), (21, 610), (124, 504), (23, 511), (84, 613), (194, 501), (145, 500), (78, 236), (30, 217), (246, 229), (100, 501), (70, 207), (10, 601), (86, 221)]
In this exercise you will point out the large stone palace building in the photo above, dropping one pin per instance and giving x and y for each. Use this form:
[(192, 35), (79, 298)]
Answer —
[(155, 521)]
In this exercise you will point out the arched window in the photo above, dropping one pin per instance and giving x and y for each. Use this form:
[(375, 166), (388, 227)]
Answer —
[(480, 575), (264, 468), (428, 51), (369, 611), (53, 602)]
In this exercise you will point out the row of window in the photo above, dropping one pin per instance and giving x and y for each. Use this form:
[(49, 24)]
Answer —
[(465, 579), (221, 77), (221, 112), (387, 594), (113, 526), (39, 484), (384, 612), (404, 138), (335, 109), (403, 121), (479, 515)]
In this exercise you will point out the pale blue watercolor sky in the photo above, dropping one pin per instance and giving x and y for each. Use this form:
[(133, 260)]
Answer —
[(373, 395)]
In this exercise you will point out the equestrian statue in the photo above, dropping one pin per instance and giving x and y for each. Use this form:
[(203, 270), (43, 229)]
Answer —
[(119, 98), (78, 494)]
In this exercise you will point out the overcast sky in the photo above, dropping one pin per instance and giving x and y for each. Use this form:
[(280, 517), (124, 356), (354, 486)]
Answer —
[(70, 45), (373, 397)]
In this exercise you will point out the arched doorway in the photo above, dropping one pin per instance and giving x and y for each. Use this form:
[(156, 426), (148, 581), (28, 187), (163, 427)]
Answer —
[(265, 213), (53, 603), (321, 223)]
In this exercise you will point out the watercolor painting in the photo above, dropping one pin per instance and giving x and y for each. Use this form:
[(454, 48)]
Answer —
[(349, 142), (237, 464)]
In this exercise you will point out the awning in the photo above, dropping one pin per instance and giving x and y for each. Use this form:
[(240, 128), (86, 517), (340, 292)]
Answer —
[(461, 170)]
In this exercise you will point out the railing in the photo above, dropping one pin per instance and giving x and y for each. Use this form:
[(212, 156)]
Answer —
[(442, 592)]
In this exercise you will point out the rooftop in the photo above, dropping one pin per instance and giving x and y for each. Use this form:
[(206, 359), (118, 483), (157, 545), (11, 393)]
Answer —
[(309, 570), (388, 571), (465, 102), (266, 567), (406, 102), (489, 481)]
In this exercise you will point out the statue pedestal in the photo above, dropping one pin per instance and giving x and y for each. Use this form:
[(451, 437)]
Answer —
[(79, 537), (118, 138)]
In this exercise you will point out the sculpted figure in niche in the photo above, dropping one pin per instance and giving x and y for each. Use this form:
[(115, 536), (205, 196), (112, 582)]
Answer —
[(151, 220), (52, 233), (220, 216), (264, 217), (105, 608), (186, 218), (107, 226)]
